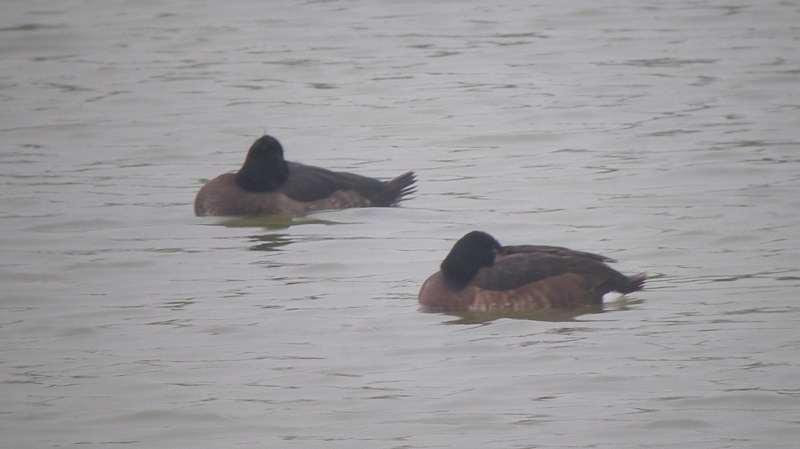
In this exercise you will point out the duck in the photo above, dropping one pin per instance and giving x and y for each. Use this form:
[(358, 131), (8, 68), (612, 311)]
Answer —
[(481, 275), (268, 184)]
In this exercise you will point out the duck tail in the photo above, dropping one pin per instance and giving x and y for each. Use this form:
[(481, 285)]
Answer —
[(399, 188), (634, 283)]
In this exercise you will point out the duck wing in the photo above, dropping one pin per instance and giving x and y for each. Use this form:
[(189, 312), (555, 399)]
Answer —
[(515, 270), (518, 269), (310, 183), (555, 251)]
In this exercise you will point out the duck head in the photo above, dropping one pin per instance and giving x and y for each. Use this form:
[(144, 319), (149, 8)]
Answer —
[(471, 253), (264, 168)]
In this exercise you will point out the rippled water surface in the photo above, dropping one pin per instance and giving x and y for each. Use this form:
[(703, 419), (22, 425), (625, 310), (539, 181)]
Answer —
[(663, 134)]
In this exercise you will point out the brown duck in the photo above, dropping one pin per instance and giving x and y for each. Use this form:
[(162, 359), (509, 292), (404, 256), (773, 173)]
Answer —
[(481, 275), (268, 184)]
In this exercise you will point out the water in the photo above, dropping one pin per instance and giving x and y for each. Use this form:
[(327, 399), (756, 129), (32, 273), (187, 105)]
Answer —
[(663, 134)]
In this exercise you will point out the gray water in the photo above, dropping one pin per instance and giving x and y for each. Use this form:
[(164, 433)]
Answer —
[(663, 134)]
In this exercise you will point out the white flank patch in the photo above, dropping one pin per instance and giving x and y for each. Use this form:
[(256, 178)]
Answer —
[(612, 296)]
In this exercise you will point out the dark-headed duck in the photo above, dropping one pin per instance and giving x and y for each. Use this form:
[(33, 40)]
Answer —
[(481, 275), (268, 184)]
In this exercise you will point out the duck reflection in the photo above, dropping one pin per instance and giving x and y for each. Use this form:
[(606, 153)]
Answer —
[(273, 241), (270, 242)]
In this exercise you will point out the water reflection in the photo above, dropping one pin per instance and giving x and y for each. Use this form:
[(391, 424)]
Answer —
[(273, 221), (270, 242)]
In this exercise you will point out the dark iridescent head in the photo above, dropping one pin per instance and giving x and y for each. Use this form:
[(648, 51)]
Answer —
[(264, 168), (471, 253)]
